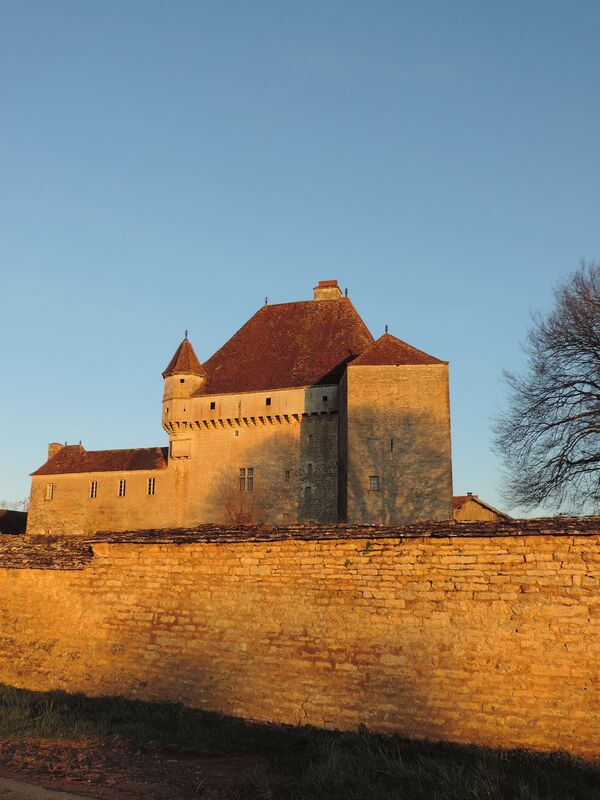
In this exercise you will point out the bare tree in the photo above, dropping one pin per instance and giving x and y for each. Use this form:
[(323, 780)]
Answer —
[(549, 435)]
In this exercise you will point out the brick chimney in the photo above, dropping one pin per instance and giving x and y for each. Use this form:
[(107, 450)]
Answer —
[(327, 290), (53, 449)]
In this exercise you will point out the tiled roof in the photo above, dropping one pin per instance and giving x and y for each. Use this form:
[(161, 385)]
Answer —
[(289, 345), (388, 350), (461, 499), (75, 458), (184, 360)]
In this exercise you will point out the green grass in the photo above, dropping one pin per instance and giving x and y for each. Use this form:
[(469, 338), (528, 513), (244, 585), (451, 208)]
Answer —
[(307, 763)]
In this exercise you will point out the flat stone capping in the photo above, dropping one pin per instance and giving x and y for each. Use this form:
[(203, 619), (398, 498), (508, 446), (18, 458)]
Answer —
[(75, 552)]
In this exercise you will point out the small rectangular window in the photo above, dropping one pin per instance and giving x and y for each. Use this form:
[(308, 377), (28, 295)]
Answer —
[(308, 493), (122, 487), (49, 491), (242, 479), (374, 483), (325, 398), (151, 486), (268, 401), (212, 405), (181, 380), (287, 474), (93, 489), (309, 470)]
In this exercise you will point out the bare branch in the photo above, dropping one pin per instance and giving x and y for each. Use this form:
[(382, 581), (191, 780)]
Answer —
[(549, 436)]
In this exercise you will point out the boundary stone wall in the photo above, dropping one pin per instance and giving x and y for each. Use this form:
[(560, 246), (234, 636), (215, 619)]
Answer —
[(486, 633)]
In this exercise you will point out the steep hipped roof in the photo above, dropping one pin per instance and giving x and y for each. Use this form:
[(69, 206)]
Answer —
[(289, 345), (184, 361), (75, 458), (388, 350)]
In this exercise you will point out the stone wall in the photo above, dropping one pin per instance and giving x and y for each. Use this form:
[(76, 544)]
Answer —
[(397, 423), (490, 635)]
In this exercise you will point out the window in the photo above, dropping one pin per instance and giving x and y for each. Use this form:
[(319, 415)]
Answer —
[(287, 474), (325, 398), (391, 445), (309, 470), (268, 401), (151, 486), (93, 489), (246, 479), (49, 491), (122, 487), (374, 483), (308, 493), (213, 405), (181, 380)]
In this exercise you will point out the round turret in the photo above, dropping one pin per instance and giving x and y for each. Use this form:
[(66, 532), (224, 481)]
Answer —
[(184, 376)]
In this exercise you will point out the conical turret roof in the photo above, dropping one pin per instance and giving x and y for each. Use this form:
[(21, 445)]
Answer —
[(184, 361)]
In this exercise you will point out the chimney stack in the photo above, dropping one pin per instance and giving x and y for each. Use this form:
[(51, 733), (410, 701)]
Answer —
[(327, 290), (53, 449)]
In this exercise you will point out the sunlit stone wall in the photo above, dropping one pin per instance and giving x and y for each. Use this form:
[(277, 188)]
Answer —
[(475, 637)]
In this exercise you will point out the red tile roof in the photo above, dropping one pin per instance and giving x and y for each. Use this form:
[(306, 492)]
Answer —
[(289, 345), (75, 458), (184, 361), (461, 499), (388, 350)]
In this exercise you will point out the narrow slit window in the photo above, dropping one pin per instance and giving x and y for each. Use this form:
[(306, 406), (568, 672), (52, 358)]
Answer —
[(287, 474), (374, 483), (308, 493), (151, 486), (309, 469), (93, 489), (49, 491), (122, 487), (391, 445)]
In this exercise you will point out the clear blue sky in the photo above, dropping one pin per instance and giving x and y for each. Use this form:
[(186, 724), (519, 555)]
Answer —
[(166, 165)]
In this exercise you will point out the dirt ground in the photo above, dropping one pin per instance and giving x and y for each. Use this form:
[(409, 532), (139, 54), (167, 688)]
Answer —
[(116, 770)]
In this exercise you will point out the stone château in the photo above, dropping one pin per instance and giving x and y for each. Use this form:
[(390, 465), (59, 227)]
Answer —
[(302, 416)]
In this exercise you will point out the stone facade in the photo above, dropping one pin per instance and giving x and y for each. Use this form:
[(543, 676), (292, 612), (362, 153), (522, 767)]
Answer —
[(301, 417), (482, 633)]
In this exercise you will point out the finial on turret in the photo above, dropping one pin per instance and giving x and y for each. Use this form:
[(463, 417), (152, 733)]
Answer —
[(266, 301), (386, 328), (186, 334), (346, 292)]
